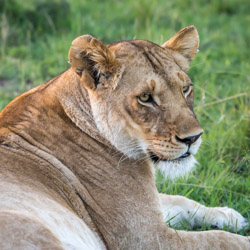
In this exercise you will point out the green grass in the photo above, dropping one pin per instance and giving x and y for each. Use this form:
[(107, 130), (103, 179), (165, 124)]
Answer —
[(36, 35)]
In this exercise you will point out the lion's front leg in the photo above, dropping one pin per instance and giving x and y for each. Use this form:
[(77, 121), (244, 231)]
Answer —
[(178, 210)]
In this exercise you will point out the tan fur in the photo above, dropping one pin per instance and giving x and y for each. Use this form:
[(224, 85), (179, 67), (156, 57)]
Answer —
[(75, 166)]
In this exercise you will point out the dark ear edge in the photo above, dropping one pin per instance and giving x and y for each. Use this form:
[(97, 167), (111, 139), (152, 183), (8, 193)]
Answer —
[(92, 68)]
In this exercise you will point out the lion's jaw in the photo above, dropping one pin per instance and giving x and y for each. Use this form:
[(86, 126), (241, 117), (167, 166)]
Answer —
[(116, 132)]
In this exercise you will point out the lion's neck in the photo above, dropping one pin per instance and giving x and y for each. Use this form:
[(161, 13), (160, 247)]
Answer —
[(76, 105)]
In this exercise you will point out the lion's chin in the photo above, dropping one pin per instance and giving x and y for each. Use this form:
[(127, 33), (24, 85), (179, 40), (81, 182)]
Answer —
[(177, 168)]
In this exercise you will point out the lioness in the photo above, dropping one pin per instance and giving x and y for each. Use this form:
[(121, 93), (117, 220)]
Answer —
[(77, 153)]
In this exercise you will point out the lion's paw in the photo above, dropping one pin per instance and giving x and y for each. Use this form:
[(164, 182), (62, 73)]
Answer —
[(224, 216)]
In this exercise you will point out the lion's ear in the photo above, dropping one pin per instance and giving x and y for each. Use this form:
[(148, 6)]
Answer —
[(184, 45), (93, 62)]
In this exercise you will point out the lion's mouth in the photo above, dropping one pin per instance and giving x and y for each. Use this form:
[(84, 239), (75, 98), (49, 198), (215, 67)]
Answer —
[(157, 159)]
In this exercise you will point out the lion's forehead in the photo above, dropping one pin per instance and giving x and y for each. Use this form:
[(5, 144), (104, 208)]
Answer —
[(146, 61), (139, 51)]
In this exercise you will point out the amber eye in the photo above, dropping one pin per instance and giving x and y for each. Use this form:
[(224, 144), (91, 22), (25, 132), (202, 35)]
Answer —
[(145, 97), (185, 89)]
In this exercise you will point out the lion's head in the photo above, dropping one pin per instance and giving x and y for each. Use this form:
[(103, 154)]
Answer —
[(142, 98)]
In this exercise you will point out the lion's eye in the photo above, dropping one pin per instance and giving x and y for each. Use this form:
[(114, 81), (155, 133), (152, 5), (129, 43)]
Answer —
[(185, 89), (145, 97)]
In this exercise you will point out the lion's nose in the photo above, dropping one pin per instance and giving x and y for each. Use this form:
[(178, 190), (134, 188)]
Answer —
[(189, 140)]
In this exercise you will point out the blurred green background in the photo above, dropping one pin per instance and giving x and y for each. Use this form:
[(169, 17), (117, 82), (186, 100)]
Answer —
[(36, 35)]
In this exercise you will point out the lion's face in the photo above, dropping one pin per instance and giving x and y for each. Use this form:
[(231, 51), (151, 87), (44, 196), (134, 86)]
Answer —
[(146, 111)]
